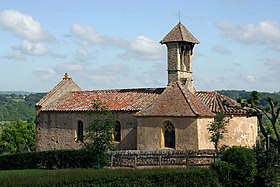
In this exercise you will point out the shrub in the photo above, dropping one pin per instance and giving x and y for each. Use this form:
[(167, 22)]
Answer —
[(224, 171), (268, 167), (56, 159), (238, 166)]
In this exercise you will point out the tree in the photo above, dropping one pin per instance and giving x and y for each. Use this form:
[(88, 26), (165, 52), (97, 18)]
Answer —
[(217, 128), (270, 112), (17, 136), (99, 134)]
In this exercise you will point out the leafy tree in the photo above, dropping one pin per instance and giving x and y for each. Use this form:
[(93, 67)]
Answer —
[(16, 136), (270, 112), (99, 134), (217, 128), (237, 167)]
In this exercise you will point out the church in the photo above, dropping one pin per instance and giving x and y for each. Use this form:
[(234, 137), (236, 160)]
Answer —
[(173, 117)]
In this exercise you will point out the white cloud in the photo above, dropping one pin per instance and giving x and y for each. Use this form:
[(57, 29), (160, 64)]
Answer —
[(249, 79), (29, 48), (141, 48), (86, 35), (220, 49), (44, 74), (265, 32), (22, 25)]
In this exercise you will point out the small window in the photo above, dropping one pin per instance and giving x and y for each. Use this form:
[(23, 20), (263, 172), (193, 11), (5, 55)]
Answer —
[(117, 136), (80, 131), (169, 135)]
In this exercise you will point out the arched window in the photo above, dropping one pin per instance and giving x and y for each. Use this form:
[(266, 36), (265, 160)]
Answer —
[(80, 131), (169, 135), (117, 131)]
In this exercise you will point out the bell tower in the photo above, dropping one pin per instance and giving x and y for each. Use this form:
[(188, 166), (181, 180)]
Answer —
[(180, 43)]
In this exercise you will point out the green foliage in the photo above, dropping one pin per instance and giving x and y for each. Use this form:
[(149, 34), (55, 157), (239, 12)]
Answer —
[(238, 166), (224, 170), (56, 159), (17, 135), (217, 128), (268, 168), (191, 177), (99, 134), (18, 107)]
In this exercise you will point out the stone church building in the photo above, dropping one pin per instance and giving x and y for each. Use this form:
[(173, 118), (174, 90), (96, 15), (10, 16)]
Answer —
[(173, 117)]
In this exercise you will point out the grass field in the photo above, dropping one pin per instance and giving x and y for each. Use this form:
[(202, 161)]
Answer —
[(107, 177)]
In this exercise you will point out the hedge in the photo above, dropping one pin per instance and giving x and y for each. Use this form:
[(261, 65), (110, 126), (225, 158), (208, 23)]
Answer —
[(57, 159), (193, 177)]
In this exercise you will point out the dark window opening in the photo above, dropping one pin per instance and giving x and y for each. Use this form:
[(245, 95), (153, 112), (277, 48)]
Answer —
[(169, 135), (80, 131), (117, 136)]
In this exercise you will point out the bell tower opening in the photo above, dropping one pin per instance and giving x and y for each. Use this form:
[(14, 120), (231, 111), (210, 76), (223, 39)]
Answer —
[(180, 43)]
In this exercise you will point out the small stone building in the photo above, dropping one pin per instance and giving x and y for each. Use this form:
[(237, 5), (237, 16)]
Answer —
[(173, 117)]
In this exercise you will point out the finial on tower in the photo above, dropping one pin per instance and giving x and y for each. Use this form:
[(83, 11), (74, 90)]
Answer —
[(66, 76), (179, 16)]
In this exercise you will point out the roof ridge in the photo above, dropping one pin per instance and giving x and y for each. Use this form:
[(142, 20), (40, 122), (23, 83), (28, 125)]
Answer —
[(191, 106), (180, 25)]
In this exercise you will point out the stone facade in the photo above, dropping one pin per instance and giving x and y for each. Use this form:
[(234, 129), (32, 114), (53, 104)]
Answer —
[(58, 130), (242, 131)]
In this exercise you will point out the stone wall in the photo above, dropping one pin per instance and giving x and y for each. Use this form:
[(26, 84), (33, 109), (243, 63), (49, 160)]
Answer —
[(58, 130), (242, 131), (137, 158), (150, 133)]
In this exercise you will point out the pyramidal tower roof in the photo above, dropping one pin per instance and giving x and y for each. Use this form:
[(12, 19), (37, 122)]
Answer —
[(179, 34)]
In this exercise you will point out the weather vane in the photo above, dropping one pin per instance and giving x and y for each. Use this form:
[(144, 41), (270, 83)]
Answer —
[(179, 16)]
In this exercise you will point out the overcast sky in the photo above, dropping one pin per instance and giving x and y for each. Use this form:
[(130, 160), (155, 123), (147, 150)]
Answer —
[(115, 44)]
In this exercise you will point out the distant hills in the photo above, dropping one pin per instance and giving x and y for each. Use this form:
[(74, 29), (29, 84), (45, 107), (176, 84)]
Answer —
[(15, 92), (20, 105)]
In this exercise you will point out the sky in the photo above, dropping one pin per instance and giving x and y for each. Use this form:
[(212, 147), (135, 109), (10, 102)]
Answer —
[(115, 44)]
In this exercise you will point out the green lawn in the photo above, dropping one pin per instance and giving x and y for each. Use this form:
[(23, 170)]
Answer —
[(109, 177)]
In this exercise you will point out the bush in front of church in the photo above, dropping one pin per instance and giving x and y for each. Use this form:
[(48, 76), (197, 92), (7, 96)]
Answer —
[(237, 167), (56, 159)]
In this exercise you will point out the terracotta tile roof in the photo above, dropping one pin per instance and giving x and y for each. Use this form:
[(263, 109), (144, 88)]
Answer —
[(116, 100), (176, 101), (215, 101), (179, 33)]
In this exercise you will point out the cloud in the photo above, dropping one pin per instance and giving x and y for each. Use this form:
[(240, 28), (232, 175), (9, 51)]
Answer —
[(265, 32), (15, 55), (83, 54), (143, 48), (29, 48), (154, 76), (23, 26), (250, 79), (86, 35), (140, 48), (44, 74), (273, 68), (221, 50)]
